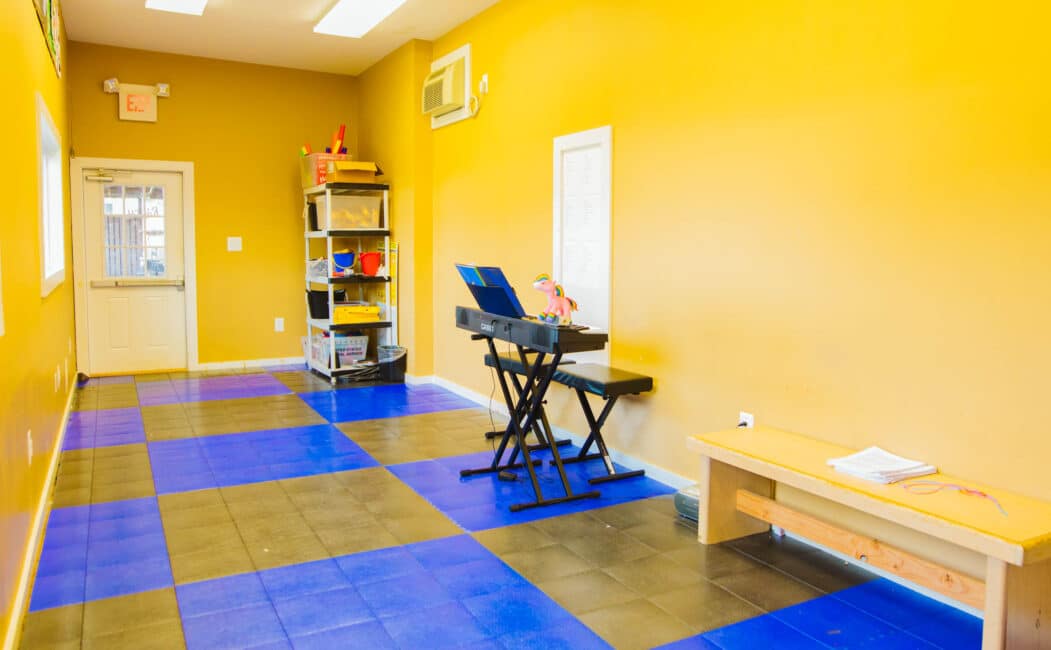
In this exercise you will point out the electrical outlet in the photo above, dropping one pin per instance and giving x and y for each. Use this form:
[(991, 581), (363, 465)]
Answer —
[(29, 445), (234, 244), (279, 324), (483, 85), (745, 420)]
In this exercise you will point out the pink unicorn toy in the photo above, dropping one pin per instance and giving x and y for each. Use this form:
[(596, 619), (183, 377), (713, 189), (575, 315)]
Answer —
[(560, 307)]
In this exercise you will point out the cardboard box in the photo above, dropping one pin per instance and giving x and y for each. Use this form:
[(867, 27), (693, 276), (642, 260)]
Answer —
[(352, 171), (347, 314), (350, 212), (314, 167)]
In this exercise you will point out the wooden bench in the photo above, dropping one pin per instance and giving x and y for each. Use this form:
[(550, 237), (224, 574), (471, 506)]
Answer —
[(739, 470)]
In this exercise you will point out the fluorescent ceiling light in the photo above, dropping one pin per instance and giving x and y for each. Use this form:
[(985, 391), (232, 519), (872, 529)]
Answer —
[(355, 18), (195, 7)]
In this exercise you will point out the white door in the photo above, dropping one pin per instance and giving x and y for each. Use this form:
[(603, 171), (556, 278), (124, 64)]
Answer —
[(133, 253), (582, 235)]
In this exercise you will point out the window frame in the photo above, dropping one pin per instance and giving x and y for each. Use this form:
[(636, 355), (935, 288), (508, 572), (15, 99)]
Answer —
[(51, 191)]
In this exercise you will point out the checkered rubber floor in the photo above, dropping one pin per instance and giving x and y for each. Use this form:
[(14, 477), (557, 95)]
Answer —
[(267, 510)]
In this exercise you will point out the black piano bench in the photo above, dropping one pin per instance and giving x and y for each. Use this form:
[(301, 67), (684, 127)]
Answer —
[(609, 384), (512, 365)]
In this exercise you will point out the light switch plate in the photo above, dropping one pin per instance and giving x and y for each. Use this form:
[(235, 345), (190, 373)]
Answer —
[(233, 244), (279, 324)]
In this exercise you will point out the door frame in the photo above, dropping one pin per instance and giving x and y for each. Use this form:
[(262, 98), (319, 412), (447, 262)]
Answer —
[(77, 167)]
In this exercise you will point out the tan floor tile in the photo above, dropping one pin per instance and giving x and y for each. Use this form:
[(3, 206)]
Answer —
[(122, 491), (216, 561), (341, 540), (584, 592), (514, 538), (712, 561), (160, 636), (705, 606), (419, 528), (636, 625), (53, 628), (286, 550), (608, 546), (767, 588), (653, 575), (111, 615), (546, 563), (175, 519), (580, 524), (182, 541), (71, 497), (170, 503), (266, 527), (631, 515)]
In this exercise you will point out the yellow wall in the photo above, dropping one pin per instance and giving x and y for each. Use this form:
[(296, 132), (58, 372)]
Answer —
[(394, 132), (242, 126), (833, 215), (39, 331)]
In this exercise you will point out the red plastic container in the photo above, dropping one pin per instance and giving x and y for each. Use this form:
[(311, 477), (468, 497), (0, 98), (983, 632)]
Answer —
[(370, 263)]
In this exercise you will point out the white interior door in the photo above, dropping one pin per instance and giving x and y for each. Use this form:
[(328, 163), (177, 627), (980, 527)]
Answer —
[(133, 259)]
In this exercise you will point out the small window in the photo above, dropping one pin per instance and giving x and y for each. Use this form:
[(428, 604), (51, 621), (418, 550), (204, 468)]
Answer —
[(52, 211)]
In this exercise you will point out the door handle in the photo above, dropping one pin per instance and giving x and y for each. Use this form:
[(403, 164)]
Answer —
[(127, 284)]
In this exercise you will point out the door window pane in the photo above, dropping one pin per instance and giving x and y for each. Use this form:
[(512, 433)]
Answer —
[(134, 241)]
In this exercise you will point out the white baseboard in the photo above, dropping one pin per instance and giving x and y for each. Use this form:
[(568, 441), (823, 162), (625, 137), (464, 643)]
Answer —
[(11, 634), (413, 380), (653, 471), (249, 363)]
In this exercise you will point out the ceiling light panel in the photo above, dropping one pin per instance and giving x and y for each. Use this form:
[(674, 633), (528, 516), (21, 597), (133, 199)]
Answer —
[(355, 18), (193, 7)]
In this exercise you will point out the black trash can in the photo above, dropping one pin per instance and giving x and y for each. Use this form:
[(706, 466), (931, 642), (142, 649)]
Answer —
[(392, 360)]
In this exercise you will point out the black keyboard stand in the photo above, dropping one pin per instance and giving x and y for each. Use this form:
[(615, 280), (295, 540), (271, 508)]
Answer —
[(526, 413)]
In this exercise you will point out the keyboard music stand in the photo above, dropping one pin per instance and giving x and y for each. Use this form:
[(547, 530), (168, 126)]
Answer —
[(527, 406)]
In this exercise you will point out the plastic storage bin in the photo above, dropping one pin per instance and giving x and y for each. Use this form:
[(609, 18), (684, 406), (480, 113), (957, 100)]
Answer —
[(351, 349), (314, 167), (350, 212), (317, 302), (393, 361), (350, 313)]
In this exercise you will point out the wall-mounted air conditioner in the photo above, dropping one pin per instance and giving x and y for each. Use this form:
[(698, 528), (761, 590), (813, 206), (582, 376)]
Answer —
[(443, 91)]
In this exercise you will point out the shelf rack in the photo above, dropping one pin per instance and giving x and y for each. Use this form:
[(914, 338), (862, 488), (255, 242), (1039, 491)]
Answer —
[(387, 328)]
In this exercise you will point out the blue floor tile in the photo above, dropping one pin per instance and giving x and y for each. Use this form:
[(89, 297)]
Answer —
[(906, 609), (371, 635), (222, 594), (322, 611), (408, 592), (128, 578), (516, 610), (449, 551), (383, 402), (302, 579), (253, 625), (478, 578), (690, 643), (57, 590), (444, 626), (762, 632), (376, 566), (839, 625), (566, 635), (253, 457), (482, 502)]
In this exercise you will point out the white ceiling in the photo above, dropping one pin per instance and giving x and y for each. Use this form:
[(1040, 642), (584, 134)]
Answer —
[(270, 32)]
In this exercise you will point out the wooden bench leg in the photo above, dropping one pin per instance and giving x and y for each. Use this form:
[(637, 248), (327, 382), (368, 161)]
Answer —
[(718, 519), (1028, 606), (994, 625)]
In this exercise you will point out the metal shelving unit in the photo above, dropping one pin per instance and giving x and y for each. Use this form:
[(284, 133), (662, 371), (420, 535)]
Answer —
[(386, 329)]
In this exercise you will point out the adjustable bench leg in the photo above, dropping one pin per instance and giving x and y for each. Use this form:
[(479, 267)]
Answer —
[(595, 437)]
